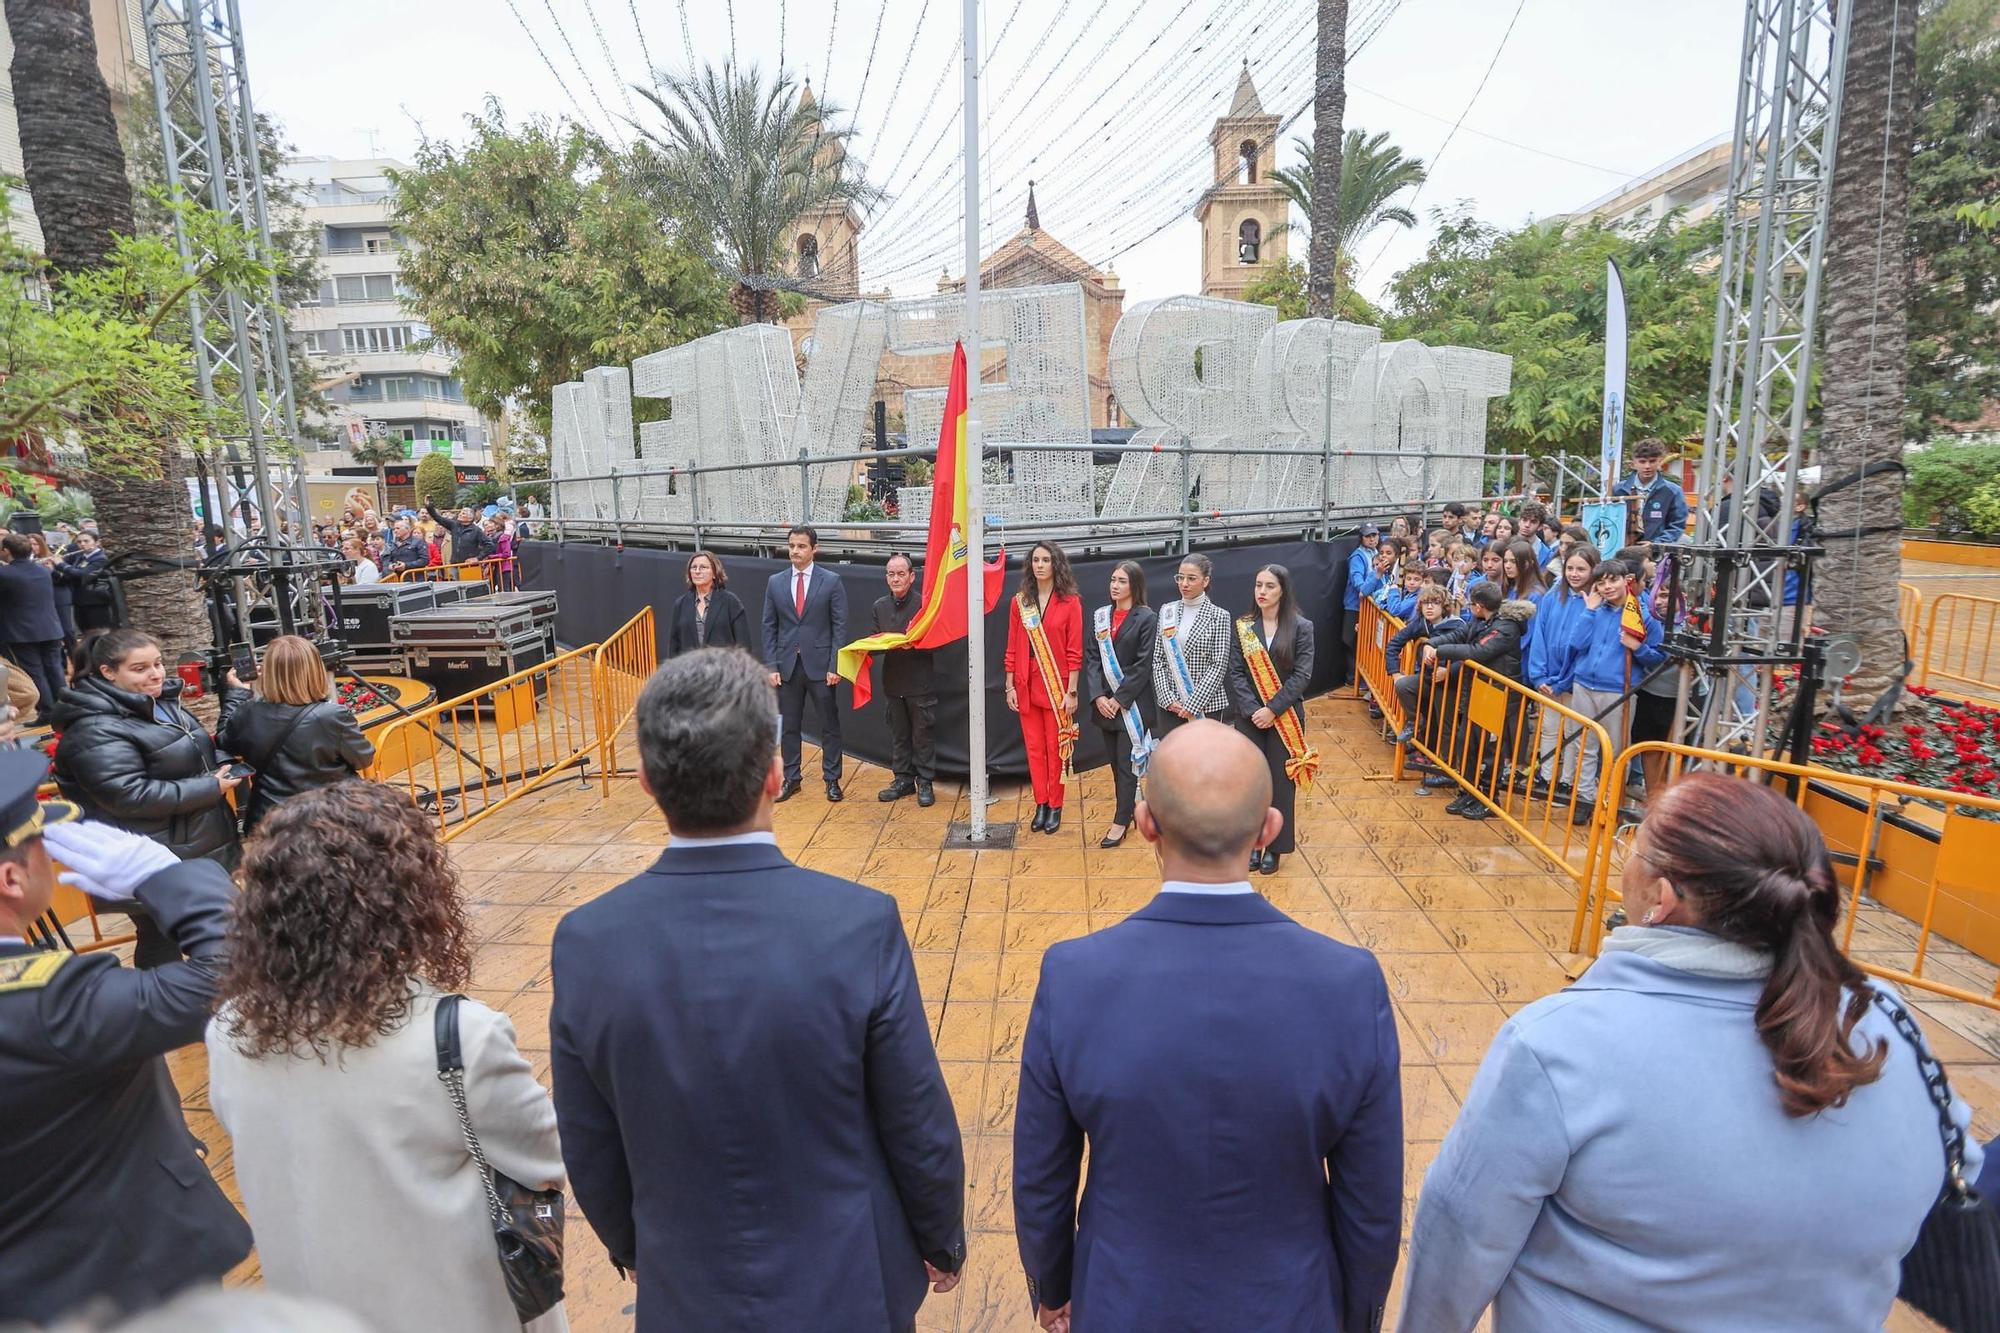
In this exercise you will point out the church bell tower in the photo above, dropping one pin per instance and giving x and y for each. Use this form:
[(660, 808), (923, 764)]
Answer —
[(1243, 216)]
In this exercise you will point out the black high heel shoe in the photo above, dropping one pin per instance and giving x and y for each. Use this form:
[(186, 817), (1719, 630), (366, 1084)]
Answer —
[(1041, 818), (1107, 841)]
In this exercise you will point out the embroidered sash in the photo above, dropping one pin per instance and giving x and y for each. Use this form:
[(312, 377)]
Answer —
[(1135, 729), (1045, 658), (1303, 761), (1170, 625)]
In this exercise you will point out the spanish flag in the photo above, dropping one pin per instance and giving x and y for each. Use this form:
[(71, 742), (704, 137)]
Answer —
[(940, 617)]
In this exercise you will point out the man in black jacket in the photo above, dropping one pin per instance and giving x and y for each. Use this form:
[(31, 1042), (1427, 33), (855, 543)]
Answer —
[(468, 540), (30, 627), (406, 549), (83, 568), (107, 1195), (909, 690)]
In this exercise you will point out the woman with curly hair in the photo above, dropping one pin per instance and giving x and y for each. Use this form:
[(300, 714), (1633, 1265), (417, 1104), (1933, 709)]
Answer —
[(323, 1068)]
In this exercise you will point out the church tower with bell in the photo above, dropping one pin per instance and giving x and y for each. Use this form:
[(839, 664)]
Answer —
[(1243, 216)]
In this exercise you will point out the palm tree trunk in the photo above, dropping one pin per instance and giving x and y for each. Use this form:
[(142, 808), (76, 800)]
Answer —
[(1866, 282), (76, 173), (68, 138), (1329, 110)]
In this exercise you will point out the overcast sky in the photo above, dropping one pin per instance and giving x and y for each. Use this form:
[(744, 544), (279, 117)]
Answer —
[(1106, 104)]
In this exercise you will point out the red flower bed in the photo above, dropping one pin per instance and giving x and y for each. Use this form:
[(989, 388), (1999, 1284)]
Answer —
[(359, 697), (1936, 742)]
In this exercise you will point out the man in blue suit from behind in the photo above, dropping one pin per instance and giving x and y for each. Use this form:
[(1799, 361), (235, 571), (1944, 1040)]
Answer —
[(752, 1113), (805, 625), (1237, 1079)]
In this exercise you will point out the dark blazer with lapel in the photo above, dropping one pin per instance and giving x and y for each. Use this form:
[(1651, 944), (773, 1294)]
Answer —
[(1236, 1076), (1291, 688), (1133, 646), (106, 1196), (751, 1108), (728, 623), (81, 573), (28, 604), (817, 635)]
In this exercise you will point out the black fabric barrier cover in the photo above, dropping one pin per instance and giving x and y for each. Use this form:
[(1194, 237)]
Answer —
[(599, 588)]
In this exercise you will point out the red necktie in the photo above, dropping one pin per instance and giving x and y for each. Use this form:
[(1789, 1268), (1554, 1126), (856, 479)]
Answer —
[(799, 594)]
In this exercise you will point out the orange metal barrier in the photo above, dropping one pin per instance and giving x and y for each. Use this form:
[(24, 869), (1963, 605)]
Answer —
[(1483, 728), (623, 664), (496, 572), (1959, 641), (1917, 889), (465, 757), (1910, 615), (1373, 669)]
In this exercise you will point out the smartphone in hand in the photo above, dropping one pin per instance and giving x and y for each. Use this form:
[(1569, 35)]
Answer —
[(244, 664)]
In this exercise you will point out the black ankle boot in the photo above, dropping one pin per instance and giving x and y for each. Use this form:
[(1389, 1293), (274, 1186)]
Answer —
[(1054, 821), (1041, 817)]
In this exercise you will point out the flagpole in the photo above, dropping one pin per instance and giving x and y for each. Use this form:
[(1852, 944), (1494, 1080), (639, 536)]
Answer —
[(972, 459)]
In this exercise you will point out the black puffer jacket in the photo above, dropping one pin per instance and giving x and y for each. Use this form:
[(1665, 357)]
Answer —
[(126, 767), (323, 747), (1496, 643)]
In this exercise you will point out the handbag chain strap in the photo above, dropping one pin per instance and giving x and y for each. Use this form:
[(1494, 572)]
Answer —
[(1936, 1085), (454, 1084)]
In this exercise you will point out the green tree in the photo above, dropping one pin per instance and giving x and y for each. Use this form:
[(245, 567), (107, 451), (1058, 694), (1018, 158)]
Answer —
[(536, 259), (436, 480), (1284, 286), (746, 162), (1373, 172), (1537, 294), (378, 451), (1954, 355)]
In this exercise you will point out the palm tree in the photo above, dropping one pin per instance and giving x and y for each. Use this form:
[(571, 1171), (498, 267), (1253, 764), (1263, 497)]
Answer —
[(746, 161), (76, 175), (1329, 109), (1864, 336), (378, 451), (1373, 171)]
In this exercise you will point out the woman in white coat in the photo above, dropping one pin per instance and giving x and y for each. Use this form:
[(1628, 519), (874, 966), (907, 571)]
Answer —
[(323, 1068)]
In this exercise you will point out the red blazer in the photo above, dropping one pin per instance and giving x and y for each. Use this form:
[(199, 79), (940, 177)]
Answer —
[(1063, 624)]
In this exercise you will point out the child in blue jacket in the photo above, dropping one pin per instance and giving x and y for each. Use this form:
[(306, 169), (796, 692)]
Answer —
[(1547, 668), (1361, 581), (1401, 601), (1604, 659)]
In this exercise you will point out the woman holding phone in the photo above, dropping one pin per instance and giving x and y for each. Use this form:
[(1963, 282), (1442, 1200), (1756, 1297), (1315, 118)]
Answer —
[(291, 730)]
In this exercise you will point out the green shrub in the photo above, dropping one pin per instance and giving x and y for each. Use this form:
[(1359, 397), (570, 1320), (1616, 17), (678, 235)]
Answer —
[(436, 480), (1982, 510), (1942, 479)]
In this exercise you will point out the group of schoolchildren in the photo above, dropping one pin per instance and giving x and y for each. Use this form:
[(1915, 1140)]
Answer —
[(1529, 598)]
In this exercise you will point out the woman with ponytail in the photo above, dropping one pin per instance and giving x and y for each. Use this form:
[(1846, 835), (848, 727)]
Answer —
[(1714, 1127)]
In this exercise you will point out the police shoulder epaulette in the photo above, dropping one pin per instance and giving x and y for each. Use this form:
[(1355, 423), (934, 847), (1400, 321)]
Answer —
[(30, 971)]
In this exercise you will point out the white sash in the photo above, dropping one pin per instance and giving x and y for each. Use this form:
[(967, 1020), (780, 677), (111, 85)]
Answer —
[(1170, 624), (1135, 728)]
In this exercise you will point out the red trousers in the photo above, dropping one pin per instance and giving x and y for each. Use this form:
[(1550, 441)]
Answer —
[(1038, 733)]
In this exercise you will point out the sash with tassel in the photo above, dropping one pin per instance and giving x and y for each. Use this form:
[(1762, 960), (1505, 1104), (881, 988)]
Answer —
[(1045, 658), (1302, 762), (1170, 628), (1135, 729)]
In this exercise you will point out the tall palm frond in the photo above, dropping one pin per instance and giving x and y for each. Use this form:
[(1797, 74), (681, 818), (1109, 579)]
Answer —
[(744, 161), (1373, 171)]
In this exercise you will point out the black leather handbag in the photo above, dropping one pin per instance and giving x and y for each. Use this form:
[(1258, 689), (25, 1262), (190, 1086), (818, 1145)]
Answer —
[(527, 1223), (1952, 1273)]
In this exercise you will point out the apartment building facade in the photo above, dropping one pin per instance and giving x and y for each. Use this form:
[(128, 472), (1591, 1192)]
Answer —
[(377, 376)]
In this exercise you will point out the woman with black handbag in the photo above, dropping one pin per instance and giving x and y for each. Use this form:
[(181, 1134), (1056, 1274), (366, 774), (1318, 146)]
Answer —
[(1722, 1124), (391, 1142)]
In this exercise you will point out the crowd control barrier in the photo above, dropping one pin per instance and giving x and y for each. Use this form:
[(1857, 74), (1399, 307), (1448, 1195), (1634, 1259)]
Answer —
[(1496, 737), (623, 664), (1921, 853), (1910, 615), (499, 574), (1959, 640)]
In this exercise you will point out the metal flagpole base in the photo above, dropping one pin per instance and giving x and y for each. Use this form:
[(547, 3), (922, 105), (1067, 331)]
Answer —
[(958, 837)]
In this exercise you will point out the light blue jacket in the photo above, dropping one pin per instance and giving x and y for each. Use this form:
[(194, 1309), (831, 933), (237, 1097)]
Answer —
[(1547, 660), (1395, 601), (1596, 649), (1622, 1164), (1361, 577)]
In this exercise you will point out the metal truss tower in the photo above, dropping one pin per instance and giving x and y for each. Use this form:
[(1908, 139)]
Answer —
[(1793, 64), (201, 92)]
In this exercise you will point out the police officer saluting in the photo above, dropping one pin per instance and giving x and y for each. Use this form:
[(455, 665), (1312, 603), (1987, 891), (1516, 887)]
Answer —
[(107, 1195)]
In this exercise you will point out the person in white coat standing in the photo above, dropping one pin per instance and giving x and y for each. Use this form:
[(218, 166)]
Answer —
[(323, 1068)]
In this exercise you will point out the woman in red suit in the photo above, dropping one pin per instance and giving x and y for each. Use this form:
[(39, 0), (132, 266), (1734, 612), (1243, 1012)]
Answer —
[(1044, 656)]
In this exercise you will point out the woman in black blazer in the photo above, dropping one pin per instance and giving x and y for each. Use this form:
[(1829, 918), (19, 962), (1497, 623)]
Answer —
[(1128, 626), (1288, 637), (707, 615)]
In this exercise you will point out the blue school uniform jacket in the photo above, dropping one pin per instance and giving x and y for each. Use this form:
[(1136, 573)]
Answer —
[(1361, 577), (1549, 633), (1596, 657), (1396, 602)]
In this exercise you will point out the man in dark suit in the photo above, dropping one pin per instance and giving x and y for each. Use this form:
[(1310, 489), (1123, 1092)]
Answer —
[(805, 624), (909, 690), (1237, 1079), (107, 1195), (752, 1113), (30, 627)]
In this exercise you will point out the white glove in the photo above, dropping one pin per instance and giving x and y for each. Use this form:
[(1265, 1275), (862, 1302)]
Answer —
[(107, 863)]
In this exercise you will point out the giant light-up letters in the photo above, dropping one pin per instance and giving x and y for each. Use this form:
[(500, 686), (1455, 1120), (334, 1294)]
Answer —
[(1407, 421)]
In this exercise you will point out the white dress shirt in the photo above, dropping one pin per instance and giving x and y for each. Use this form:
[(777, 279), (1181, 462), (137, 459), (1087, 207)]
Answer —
[(1211, 890), (801, 584), (730, 840)]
